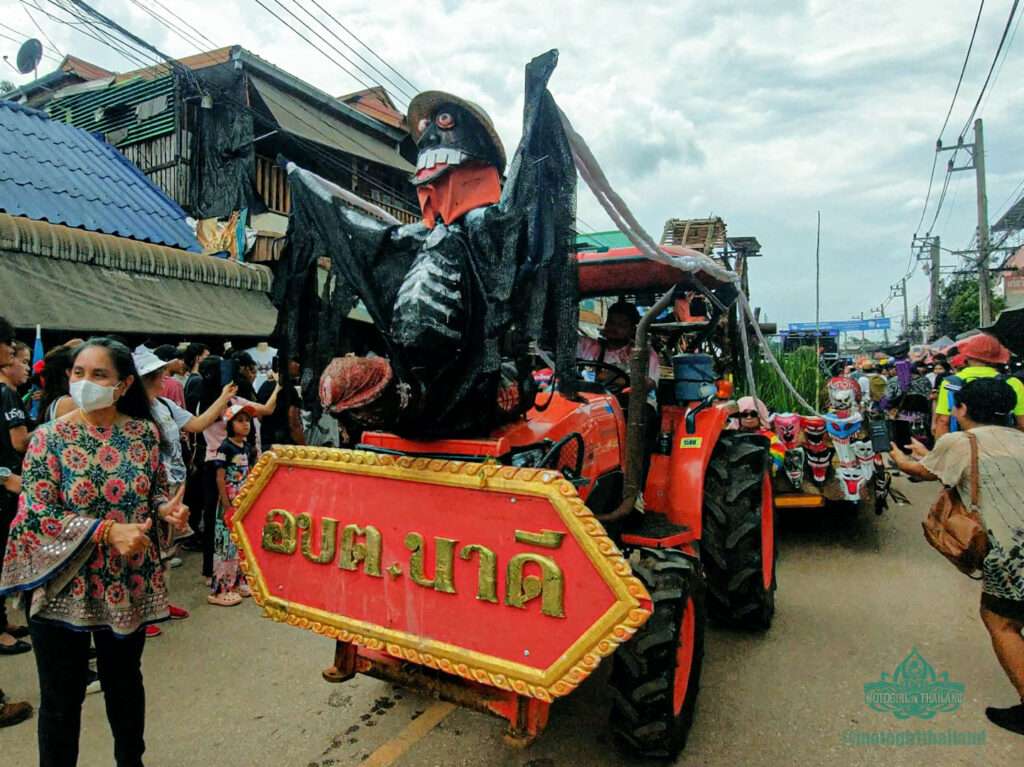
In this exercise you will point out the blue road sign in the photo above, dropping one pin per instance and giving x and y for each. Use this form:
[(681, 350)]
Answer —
[(875, 323)]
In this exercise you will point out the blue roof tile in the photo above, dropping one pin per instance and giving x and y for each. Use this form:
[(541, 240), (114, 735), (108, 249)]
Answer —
[(53, 172)]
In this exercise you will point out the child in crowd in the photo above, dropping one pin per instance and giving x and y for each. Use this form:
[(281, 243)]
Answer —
[(227, 587)]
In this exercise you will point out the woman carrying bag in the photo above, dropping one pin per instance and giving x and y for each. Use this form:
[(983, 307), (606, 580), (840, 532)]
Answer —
[(982, 408)]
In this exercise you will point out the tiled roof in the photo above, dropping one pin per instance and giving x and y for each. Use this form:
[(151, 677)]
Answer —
[(53, 172)]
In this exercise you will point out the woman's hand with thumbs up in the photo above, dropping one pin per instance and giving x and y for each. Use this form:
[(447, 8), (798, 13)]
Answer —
[(175, 512), (130, 538)]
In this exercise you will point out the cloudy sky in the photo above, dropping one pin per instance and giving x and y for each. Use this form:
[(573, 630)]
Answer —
[(759, 111)]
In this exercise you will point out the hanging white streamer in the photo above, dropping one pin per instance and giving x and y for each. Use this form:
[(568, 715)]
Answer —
[(616, 208)]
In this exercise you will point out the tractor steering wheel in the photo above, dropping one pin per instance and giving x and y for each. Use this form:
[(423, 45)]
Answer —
[(614, 379)]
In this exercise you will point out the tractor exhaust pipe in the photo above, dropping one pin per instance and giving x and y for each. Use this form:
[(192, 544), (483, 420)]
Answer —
[(638, 366)]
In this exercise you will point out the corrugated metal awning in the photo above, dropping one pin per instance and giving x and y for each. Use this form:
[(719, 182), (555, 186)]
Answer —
[(67, 279), (298, 118), (86, 298)]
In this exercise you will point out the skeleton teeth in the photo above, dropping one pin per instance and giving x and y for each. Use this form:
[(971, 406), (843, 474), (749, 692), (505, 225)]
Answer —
[(430, 158)]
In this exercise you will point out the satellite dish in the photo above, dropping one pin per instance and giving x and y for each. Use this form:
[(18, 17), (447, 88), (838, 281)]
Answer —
[(29, 56)]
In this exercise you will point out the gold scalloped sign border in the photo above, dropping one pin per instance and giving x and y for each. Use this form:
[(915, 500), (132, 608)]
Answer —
[(630, 611)]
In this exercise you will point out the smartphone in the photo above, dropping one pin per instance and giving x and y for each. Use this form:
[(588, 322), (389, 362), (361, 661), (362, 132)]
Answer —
[(881, 436), (228, 367), (901, 434)]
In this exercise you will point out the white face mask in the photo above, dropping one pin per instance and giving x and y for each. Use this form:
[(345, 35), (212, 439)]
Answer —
[(91, 396)]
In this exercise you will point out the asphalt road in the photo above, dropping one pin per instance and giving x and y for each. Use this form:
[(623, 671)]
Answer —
[(856, 595)]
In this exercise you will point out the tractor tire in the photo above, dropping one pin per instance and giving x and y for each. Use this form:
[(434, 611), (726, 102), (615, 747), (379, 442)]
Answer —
[(738, 535), (655, 676)]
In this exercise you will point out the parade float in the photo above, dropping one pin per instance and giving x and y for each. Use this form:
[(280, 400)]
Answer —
[(835, 456), (484, 541)]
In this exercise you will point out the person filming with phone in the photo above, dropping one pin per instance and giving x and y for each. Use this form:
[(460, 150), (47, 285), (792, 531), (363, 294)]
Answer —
[(994, 464)]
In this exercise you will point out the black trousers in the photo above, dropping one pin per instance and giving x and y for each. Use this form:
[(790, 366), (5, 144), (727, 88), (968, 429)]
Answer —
[(62, 660), (211, 497)]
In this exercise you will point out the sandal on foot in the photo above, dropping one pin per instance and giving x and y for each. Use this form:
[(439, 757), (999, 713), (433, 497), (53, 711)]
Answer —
[(227, 599), (20, 646)]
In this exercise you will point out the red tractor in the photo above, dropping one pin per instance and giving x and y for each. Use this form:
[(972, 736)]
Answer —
[(537, 562)]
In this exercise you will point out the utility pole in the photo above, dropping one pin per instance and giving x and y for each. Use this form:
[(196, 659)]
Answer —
[(984, 283), (885, 331), (976, 151), (935, 285), (933, 266), (897, 291)]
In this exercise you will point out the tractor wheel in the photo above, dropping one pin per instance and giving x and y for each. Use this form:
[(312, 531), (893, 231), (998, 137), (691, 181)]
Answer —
[(738, 537), (655, 676)]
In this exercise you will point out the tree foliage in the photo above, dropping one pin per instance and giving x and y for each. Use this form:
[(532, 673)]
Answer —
[(6, 86), (958, 306)]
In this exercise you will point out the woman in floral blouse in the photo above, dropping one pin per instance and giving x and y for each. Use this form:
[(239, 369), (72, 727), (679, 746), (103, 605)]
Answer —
[(81, 553)]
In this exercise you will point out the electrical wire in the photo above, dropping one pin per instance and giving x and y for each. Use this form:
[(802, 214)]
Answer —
[(949, 112), (398, 88), (85, 29), (309, 42), (942, 197), (20, 42), (963, 69), (995, 59), (1002, 62), (165, 23), (150, 53), (185, 23), (41, 30), (25, 37), (333, 18)]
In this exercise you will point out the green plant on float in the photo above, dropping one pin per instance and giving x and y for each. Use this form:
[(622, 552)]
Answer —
[(801, 368)]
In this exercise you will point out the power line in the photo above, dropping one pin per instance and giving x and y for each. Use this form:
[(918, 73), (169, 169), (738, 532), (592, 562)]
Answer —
[(995, 59), (145, 52), (324, 53), (309, 42), (41, 30), (20, 42), (198, 33), (164, 22), (333, 18), (22, 35), (1002, 63), (80, 27), (398, 88), (928, 196), (945, 122), (963, 69), (942, 197)]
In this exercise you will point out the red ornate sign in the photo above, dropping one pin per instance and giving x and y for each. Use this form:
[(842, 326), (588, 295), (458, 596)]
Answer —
[(496, 574)]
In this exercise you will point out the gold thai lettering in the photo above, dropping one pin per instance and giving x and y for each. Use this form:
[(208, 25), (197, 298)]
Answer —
[(366, 551), (487, 571), (444, 562), (279, 532), (328, 533), (547, 539), (549, 586)]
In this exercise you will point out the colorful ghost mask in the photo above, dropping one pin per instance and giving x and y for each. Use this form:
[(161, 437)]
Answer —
[(843, 395), (788, 429), (819, 452), (793, 464)]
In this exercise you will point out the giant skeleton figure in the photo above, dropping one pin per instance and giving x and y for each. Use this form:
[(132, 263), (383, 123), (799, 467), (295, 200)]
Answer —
[(459, 298)]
